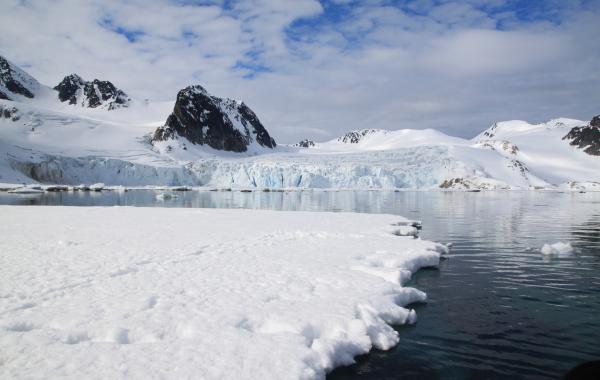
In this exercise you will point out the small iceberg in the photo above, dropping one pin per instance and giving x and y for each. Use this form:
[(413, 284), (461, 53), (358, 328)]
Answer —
[(165, 196), (97, 186), (557, 249)]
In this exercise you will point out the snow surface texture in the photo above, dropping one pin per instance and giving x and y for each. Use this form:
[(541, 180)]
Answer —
[(141, 293), (44, 140), (557, 249)]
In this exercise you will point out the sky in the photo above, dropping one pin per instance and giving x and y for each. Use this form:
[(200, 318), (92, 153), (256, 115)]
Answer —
[(317, 69)]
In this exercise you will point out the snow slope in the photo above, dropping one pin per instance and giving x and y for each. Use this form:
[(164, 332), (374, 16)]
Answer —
[(292, 296), (381, 139), (541, 148)]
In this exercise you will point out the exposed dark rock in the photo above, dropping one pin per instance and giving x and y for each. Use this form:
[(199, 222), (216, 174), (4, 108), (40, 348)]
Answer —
[(490, 132), (468, 184), (304, 144), (68, 88), (521, 167), (505, 145), (92, 94), (11, 113), (355, 137), (15, 81), (586, 137), (222, 124)]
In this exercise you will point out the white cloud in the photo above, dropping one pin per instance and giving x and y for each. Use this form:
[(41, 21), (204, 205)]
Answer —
[(425, 65), (477, 52)]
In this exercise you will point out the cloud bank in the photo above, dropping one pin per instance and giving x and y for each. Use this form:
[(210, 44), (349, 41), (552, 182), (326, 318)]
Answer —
[(315, 69)]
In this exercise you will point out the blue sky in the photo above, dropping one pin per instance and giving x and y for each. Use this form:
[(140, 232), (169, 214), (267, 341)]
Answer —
[(316, 69)]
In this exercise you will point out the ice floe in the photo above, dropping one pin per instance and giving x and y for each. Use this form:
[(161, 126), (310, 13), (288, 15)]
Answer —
[(143, 293), (557, 249)]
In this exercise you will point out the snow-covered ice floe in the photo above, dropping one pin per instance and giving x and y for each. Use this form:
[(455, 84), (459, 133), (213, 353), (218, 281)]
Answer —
[(142, 293), (557, 249)]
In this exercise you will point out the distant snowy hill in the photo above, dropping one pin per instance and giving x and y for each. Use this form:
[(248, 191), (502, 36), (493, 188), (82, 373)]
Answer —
[(203, 140), (542, 149), (202, 119), (381, 139)]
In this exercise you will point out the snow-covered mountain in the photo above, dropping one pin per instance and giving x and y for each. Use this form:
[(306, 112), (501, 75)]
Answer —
[(203, 140), (202, 119), (15, 83), (381, 139), (543, 149), (97, 93)]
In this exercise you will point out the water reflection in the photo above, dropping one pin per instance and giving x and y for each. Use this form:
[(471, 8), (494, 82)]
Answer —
[(496, 308)]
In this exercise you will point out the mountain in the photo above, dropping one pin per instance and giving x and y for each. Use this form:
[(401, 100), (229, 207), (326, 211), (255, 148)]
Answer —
[(222, 124), (215, 142), (76, 91), (304, 144), (15, 83)]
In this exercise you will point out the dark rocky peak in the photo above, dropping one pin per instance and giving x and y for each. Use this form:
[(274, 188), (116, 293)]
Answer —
[(355, 137), (304, 144), (94, 94), (15, 82), (222, 124), (68, 88), (586, 137)]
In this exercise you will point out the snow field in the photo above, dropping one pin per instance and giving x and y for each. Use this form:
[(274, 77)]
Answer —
[(144, 293)]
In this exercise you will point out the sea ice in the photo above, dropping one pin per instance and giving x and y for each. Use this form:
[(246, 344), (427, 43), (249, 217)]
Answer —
[(147, 293), (557, 249), (407, 231), (97, 186), (27, 190)]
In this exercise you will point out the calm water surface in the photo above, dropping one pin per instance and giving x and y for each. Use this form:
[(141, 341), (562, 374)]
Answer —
[(496, 309)]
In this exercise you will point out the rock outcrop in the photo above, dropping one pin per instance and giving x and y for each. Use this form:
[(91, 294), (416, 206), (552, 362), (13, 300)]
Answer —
[(586, 137), (9, 113), (15, 82), (355, 137), (222, 124), (304, 144), (94, 94)]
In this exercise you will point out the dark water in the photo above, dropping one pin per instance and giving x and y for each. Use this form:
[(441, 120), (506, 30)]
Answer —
[(496, 308)]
